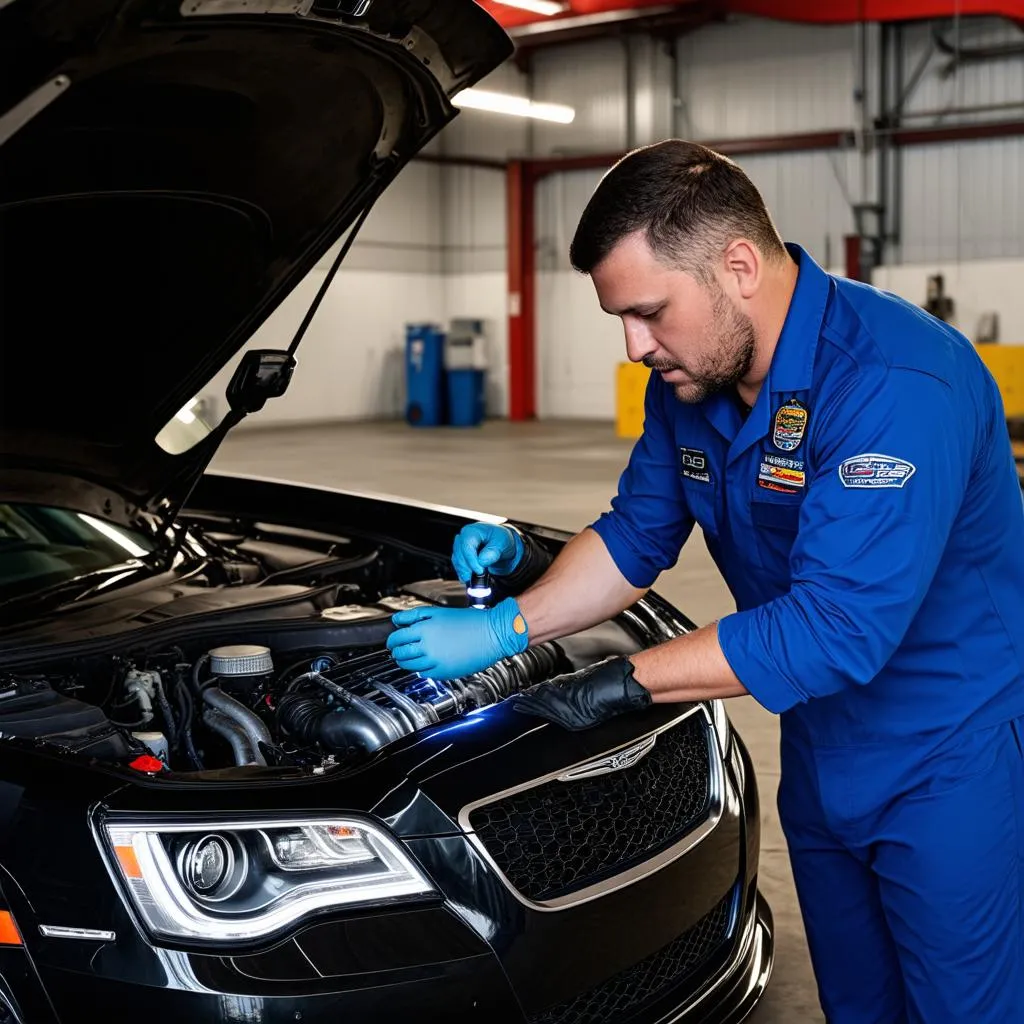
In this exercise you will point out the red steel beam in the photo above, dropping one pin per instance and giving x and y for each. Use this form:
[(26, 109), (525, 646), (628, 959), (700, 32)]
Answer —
[(529, 242), (811, 11), (833, 139), (957, 133), (522, 326), (480, 162)]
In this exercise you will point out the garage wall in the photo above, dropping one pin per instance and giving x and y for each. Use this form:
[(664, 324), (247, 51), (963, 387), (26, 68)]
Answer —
[(752, 77), (350, 361), (976, 286), (475, 224), (435, 246)]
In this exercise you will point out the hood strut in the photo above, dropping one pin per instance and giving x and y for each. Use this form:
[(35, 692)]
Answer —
[(315, 304)]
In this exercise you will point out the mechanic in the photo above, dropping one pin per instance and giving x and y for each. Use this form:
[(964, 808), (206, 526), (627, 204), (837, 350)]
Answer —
[(847, 459)]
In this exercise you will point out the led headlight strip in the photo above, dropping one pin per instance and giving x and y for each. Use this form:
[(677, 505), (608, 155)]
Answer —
[(228, 881)]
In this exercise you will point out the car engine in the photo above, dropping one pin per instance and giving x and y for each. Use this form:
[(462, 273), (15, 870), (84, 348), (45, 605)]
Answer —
[(302, 694)]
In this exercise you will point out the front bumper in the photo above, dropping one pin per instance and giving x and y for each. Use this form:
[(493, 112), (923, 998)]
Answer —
[(624, 957), (474, 989)]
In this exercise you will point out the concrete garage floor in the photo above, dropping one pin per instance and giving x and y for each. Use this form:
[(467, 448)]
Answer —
[(561, 475)]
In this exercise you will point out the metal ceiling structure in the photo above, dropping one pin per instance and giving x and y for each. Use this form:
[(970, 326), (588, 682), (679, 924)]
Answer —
[(813, 11), (584, 19)]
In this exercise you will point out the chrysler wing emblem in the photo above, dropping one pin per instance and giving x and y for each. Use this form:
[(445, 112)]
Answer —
[(612, 762)]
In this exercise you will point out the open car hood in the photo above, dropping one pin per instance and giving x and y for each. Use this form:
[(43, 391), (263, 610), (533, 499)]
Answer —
[(169, 171)]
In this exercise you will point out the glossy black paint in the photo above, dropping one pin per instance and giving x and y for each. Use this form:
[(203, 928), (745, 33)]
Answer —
[(474, 951)]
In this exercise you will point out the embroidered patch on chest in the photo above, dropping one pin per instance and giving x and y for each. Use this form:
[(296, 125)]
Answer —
[(693, 464), (790, 479), (790, 426)]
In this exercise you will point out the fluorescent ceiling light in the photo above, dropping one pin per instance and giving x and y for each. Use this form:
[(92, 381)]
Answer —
[(519, 106), (545, 7)]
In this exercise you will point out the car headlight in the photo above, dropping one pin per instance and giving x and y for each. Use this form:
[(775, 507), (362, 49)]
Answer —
[(233, 881), (723, 727)]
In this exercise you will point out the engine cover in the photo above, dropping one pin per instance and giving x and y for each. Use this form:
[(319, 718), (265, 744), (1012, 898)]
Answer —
[(31, 709)]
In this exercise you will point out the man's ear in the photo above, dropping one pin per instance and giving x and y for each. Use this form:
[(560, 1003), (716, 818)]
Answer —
[(744, 266)]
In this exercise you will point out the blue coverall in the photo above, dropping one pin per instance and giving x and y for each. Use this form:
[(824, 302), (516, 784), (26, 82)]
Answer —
[(868, 520)]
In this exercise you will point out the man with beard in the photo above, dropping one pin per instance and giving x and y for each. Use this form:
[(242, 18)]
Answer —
[(847, 459)]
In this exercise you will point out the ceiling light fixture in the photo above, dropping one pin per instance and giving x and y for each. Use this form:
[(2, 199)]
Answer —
[(518, 106), (546, 7)]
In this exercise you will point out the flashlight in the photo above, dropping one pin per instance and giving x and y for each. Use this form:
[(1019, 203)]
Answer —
[(478, 593)]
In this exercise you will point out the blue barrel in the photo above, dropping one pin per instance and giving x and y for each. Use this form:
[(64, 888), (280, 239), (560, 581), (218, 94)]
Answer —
[(466, 397), (424, 375)]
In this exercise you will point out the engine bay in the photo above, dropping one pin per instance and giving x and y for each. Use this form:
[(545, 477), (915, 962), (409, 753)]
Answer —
[(311, 693)]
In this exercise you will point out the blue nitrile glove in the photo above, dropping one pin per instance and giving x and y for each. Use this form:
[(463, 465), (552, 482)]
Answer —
[(481, 546), (448, 643)]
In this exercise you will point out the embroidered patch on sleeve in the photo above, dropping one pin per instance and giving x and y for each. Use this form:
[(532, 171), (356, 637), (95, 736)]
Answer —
[(873, 470)]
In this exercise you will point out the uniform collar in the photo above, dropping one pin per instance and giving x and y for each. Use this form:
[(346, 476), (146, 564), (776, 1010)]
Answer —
[(793, 361)]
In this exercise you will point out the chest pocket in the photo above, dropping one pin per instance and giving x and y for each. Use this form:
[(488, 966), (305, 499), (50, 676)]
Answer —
[(776, 522), (701, 499)]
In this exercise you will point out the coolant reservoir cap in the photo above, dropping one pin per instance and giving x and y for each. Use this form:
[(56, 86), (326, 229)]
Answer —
[(241, 660)]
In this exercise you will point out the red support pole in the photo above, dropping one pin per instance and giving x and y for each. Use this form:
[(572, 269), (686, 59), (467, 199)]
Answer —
[(854, 264), (522, 386)]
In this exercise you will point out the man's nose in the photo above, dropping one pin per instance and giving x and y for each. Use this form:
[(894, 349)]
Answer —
[(639, 342)]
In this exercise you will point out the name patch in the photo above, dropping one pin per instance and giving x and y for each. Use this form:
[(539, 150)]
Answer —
[(874, 470), (693, 464)]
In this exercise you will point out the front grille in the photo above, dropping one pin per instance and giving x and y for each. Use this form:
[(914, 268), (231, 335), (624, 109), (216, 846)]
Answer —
[(559, 837), (631, 991)]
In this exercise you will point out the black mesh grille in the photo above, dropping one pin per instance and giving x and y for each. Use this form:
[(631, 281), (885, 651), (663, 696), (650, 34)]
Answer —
[(629, 992), (559, 837)]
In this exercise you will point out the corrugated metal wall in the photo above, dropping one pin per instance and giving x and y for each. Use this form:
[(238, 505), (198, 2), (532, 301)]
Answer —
[(750, 78), (753, 77), (962, 201), (756, 77)]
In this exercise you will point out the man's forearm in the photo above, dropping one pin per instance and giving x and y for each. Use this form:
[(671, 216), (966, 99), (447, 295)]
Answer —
[(691, 667), (582, 587)]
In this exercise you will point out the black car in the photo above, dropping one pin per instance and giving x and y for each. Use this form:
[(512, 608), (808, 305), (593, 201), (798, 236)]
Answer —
[(220, 799)]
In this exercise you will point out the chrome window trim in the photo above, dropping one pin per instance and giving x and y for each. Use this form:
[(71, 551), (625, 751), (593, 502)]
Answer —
[(716, 786)]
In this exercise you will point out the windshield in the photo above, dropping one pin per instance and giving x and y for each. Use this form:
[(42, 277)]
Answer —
[(41, 547)]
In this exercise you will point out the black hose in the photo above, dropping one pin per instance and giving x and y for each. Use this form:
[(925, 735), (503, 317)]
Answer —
[(186, 727), (200, 662), (165, 709)]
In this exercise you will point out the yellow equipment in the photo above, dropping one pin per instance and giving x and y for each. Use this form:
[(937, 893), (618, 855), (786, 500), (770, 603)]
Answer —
[(630, 385), (1006, 364)]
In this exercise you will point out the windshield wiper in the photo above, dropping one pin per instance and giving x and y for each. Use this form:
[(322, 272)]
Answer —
[(82, 586)]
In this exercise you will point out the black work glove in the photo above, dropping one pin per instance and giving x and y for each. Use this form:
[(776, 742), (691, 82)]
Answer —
[(579, 700)]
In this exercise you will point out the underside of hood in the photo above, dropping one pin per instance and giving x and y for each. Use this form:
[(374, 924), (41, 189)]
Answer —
[(168, 173)]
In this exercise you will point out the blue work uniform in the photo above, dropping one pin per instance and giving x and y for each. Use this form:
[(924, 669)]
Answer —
[(867, 517)]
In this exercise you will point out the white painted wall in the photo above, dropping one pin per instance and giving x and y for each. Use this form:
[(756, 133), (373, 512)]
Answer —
[(350, 363), (433, 248), (976, 286)]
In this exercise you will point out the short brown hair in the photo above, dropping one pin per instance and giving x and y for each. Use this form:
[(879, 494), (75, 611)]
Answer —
[(689, 200)]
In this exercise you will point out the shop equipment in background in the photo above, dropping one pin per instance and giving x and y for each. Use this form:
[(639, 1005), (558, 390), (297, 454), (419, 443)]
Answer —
[(465, 363), (424, 375)]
